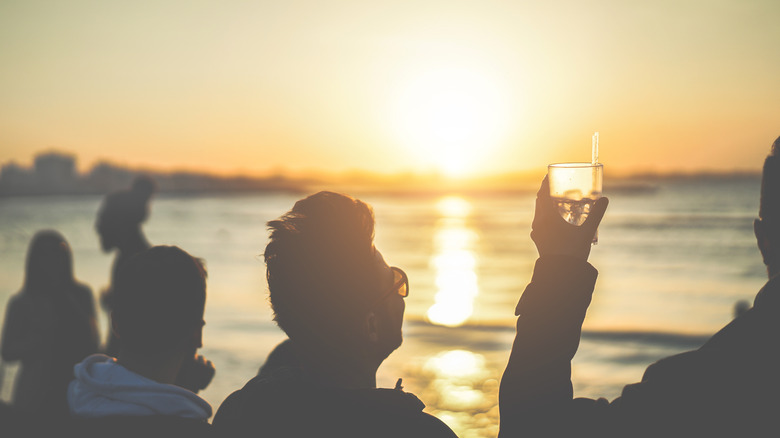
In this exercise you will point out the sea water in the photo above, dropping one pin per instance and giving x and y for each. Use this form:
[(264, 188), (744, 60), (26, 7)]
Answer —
[(674, 257)]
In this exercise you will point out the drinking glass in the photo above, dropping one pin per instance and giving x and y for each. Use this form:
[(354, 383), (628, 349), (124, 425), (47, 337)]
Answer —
[(575, 187)]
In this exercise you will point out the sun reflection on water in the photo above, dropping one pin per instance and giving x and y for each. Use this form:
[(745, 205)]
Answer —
[(458, 375), (455, 263), (456, 364), (463, 391)]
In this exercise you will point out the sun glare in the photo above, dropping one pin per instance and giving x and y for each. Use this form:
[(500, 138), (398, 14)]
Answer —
[(449, 118), (455, 263)]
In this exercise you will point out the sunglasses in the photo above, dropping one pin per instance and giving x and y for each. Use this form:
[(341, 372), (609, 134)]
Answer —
[(400, 284)]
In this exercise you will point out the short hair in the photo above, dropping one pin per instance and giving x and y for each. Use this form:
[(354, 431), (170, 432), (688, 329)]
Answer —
[(321, 269), (769, 206), (159, 297)]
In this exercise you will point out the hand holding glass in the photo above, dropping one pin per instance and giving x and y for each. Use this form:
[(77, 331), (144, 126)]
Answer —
[(575, 187)]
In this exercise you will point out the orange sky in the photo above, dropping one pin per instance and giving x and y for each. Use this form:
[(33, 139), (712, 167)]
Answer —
[(463, 87)]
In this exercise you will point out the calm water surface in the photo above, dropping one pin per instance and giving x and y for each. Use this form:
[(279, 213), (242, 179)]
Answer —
[(673, 261)]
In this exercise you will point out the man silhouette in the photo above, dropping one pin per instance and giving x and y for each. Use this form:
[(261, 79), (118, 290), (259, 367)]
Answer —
[(159, 300), (728, 387), (342, 308)]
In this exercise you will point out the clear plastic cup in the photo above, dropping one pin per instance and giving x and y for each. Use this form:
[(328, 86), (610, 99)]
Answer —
[(575, 187)]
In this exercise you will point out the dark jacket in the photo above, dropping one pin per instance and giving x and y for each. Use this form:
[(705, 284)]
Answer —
[(282, 402), (729, 386), (152, 426), (15, 423)]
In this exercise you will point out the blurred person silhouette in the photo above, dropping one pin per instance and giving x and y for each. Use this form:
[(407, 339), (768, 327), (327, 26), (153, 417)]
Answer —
[(50, 325), (728, 387), (342, 308), (158, 306), (119, 228)]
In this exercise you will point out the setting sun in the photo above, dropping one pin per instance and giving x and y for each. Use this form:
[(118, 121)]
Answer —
[(449, 118)]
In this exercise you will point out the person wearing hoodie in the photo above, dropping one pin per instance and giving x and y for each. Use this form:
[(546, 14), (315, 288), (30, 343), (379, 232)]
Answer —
[(118, 225), (342, 308), (159, 300)]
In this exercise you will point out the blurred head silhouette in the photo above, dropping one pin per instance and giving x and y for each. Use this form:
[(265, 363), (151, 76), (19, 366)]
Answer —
[(767, 226), (160, 295), (49, 263), (122, 213), (330, 289)]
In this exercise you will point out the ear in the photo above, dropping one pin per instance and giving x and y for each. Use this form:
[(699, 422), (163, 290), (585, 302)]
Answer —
[(372, 327), (762, 240)]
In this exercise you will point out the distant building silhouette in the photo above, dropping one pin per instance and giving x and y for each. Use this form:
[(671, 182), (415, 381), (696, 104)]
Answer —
[(55, 173), (52, 173), (109, 177), (14, 176)]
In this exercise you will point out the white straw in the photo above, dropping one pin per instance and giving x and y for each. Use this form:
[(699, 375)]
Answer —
[(594, 154)]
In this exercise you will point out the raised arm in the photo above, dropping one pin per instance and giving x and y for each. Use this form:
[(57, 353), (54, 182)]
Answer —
[(536, 387)]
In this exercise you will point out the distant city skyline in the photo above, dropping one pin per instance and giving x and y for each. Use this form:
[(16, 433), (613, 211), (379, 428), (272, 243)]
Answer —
[(457, 87), (55, 173)]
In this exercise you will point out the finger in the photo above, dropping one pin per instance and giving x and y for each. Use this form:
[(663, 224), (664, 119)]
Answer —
[(596, 214), (544, 189), (544, 207), (541, 213)]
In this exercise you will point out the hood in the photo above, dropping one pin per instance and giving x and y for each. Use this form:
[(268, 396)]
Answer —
[(103, 388)]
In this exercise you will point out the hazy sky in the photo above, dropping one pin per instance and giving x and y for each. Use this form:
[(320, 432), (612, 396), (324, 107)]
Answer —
[(445, 85)]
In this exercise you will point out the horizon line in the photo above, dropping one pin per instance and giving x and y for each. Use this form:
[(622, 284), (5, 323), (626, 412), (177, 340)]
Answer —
[(626, 172)]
